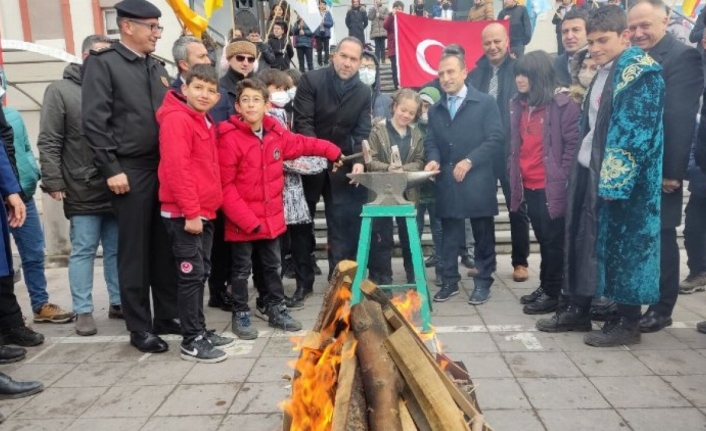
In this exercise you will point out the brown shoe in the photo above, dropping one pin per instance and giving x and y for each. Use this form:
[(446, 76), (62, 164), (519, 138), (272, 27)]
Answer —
[(520, 273), (472, 272), (115, 312), (52, 313)]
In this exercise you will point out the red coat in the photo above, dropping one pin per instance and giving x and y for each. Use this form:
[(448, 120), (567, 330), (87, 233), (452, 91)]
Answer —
[(389, 26), (252, 175), (189, 179)]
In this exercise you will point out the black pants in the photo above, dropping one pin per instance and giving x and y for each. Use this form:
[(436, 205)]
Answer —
[(695, 234), (269, 256), (302, 53), (342, 222), (10, 311), (452, 241), (550, 235), (300, 246), (669, 272), (220, 257), (519, 227), (192, 254), (144, 256), (393, 67), (380, 48), (381, 247), (322, 46)]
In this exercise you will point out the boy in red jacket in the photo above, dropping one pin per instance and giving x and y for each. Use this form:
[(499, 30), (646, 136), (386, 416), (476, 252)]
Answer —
[(251, 150), (190, 194)]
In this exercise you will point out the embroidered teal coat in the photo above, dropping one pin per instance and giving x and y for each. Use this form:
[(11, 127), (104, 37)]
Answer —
[(613, 207), (630, 184)]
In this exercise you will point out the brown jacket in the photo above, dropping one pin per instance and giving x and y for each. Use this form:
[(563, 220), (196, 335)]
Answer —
[(484, 12), (381, 153)]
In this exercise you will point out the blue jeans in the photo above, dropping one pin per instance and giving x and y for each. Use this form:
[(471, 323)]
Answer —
[(30, 243), (87, 231)]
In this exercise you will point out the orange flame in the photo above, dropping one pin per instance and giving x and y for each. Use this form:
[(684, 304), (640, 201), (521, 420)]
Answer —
[(316, 373), (409, 305)]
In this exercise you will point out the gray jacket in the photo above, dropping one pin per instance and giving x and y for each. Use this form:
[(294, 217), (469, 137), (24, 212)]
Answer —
[(376, 16), (65, 158)]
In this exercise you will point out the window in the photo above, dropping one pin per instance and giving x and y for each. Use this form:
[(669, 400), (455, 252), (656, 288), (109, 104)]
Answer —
[(110, 16)]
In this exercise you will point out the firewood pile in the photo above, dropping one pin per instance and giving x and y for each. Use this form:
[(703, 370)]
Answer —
[(366, 368)]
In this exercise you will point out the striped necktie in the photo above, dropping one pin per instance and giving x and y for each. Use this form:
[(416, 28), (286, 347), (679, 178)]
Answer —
[(493, 85)]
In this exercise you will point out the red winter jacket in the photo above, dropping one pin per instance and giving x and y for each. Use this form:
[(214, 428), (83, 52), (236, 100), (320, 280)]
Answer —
[(189, 179), (252, 174)]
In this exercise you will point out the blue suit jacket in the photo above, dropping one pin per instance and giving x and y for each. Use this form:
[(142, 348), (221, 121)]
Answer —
[(8, 185)]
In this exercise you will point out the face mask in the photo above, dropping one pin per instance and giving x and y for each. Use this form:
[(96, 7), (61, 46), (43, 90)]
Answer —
[(367, 76), (585, 77), (418, 7), (292, 92), (279, 98), (424, 118)]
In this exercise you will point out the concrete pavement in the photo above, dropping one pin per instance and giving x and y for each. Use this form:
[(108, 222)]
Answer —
[(526, 380)]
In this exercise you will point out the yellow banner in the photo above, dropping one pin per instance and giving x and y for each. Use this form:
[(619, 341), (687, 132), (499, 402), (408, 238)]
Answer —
[(193, 21), (211, 5)]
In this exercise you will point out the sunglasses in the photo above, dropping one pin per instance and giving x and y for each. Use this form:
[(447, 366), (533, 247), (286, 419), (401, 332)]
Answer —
[(242, 58)]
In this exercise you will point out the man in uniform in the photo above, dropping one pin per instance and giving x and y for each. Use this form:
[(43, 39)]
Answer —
[(123, 87)]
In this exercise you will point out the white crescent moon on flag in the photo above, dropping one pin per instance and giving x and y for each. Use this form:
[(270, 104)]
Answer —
[(422, 57)]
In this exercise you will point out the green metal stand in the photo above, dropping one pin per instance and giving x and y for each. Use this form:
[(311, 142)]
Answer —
[(420, 282)]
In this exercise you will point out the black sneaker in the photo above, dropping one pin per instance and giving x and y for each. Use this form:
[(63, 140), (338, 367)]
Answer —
[(315, 266), (571, 318), (280, 318), (430, 261), (201, 350), (242, 326), (542, 305), (293, 304), (218, 341), (221, 300), (22, 336), (261, 309), (467, 261), (701, 327), (526, 299), (480, 295), (446, 293), (602, 309), (618, 331)]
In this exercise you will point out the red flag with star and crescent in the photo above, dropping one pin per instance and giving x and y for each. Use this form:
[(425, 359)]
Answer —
[(420, 41)]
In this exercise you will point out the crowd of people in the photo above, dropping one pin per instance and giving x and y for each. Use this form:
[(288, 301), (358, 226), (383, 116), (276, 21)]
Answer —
[(211, 180)]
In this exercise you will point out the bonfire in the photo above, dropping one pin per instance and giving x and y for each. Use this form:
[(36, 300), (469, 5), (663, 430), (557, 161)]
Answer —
[(367, 368)]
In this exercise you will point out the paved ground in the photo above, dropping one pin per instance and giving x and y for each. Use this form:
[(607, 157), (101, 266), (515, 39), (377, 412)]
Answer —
[(526, 380)]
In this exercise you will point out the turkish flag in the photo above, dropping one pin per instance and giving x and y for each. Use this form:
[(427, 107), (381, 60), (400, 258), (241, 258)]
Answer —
[(420, 42)]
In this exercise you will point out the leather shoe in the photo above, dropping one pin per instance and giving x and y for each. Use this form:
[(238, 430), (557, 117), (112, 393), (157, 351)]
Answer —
[(652, 321), (12, 389), (148, 342), (10, 354), (168, 326)]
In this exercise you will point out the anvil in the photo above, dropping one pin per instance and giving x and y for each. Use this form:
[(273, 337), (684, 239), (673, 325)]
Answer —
[(390, 186)]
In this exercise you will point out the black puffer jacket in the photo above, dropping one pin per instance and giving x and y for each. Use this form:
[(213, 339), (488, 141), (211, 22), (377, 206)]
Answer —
[(65, 158)]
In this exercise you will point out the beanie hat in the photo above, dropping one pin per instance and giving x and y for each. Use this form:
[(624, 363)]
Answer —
[(430, 95), (241, 47)]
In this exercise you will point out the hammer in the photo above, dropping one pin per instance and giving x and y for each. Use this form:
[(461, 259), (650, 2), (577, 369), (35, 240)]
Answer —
[(365, 154)]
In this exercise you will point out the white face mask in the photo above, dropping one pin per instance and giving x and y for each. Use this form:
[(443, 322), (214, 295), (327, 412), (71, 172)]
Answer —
[(367, 76), (279, 98), (424, 118), (292, 92)]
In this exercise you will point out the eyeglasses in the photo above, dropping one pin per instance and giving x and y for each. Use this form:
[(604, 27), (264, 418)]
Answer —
[(154, 28), (242, 58)]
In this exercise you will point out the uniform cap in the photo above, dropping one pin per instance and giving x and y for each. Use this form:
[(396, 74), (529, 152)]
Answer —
[(141, 9)]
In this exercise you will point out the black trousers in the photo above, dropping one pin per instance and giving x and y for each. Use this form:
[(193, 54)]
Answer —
[(322, 47), (381, 246), (452, 241), (10, 311), (305, 53), (192, 254), (669, 272), (220, 257), (269, 257), (144, 257), (550, 235), (519, 227), (343, 222), (393, 67), (300, 246), (695, 234), (380, 48)]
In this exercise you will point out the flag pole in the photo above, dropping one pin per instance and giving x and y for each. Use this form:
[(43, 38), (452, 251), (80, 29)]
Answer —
[(232, 13)]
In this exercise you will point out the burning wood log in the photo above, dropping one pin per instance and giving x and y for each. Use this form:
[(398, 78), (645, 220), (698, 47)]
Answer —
[(333, 300), (382, 381), (350, 410)]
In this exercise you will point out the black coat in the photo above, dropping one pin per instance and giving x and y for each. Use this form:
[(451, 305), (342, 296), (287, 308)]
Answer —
[(282, 51), (121, 94), (449, 141), (561, 67), (520, 24), (480, 79), (318, 112), (357, 21), (683, 76), (227, 86), (65, 158)]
